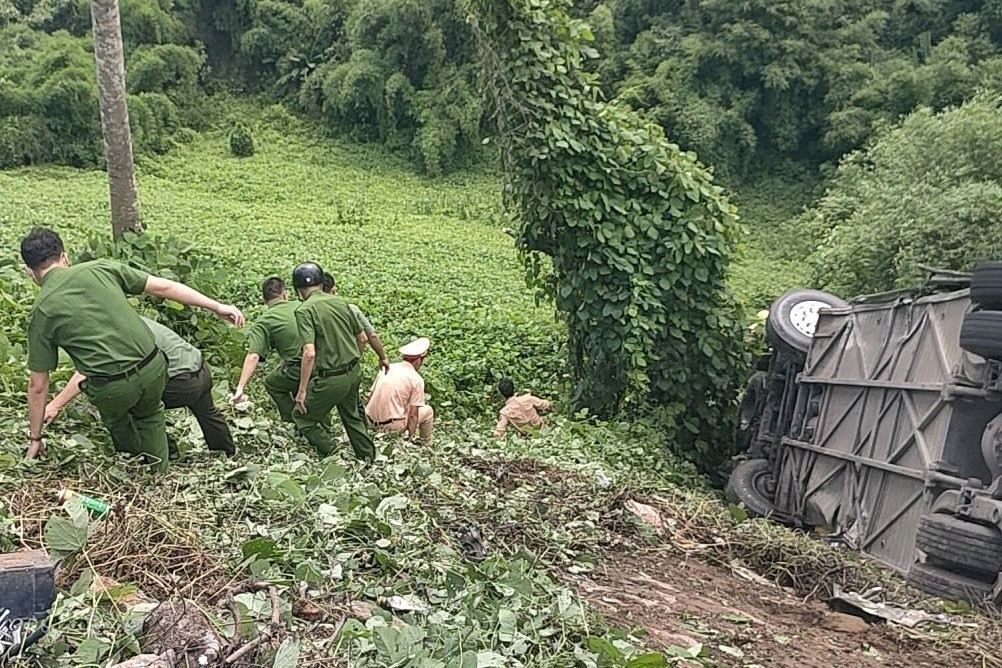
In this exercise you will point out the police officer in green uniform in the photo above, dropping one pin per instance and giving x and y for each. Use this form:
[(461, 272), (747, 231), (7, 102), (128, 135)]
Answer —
[(276, 331), (329, 374), (83, 310), (189, 385)]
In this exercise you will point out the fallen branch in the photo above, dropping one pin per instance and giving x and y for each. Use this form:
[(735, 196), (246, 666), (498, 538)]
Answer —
[(235, 611), (267, 634)]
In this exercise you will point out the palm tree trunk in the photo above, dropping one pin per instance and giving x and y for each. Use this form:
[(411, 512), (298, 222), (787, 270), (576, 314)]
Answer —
[(110, 56)]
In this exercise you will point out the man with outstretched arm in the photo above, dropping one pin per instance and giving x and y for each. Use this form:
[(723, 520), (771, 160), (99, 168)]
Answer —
[(276, 330), (83, 310), (520, 412), (189, 385), (329, 374)]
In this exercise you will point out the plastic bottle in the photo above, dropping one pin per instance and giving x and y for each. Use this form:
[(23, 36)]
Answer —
[(97, 508)]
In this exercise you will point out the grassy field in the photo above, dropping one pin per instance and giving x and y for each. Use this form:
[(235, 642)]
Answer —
[(420, 257), (497, 548)]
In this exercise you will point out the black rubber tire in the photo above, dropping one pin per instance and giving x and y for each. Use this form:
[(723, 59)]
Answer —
[(947, 585), (746, 486), (780, 329), (986, 285), (981, 334), (748, 415), (956, 544)]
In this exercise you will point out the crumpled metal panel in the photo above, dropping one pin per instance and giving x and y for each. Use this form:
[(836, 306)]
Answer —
[(889, 414)]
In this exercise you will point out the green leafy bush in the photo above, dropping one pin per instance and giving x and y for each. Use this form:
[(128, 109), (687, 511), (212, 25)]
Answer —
[(241, 141), (927, 192)]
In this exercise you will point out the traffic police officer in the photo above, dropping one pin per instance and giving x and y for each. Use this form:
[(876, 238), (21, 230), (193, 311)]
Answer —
[(83, 310), (189, 385), (329, 374), (276, 330)]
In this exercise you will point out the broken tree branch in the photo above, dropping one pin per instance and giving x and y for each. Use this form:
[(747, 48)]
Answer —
[(265, 635)]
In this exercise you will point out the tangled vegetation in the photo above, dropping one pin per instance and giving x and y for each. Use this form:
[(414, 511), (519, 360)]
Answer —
[(454, 557), (747, 85)]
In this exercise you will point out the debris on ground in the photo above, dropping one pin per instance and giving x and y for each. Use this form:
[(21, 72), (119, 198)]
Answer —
[(648, 515), (148, 661), (180, 627), (863, 605), (403, 604)]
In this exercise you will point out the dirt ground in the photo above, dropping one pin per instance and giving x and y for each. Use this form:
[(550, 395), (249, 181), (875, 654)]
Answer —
[(684, 602)]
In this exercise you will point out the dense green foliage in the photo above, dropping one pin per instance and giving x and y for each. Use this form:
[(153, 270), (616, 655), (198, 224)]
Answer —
[(927, 192), (751, 84), (637, 234), (419, 257), (747, 85), (48, 89), (241, 141)]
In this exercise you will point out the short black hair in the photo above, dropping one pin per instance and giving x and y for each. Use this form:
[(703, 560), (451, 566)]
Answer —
[(41, 247), (328, 282), (272, 287), (506, 388)]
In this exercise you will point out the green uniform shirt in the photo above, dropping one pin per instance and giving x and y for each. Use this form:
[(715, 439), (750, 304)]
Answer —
[(276, 330), (362, 320), (182, 357), (83, 310), (329, 324)]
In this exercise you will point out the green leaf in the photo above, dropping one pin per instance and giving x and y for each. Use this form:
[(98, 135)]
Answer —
[(737, 513), (262, 548), (63, 535), (648, 661), (287, 655)]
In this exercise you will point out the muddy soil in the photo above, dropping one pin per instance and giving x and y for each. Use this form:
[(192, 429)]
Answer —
[(683, 602)]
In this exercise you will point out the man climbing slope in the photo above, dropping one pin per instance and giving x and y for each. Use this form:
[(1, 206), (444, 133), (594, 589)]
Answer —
[(371, 335), (329, 373), (274, 331), (189, 385), (83, 310)]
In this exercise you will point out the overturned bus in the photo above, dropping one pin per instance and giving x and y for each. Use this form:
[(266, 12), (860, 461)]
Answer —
[(880, 420)]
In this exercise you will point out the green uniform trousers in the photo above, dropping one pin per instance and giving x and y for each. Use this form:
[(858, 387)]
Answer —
[(323, 396), (133, 411), (282, 385)]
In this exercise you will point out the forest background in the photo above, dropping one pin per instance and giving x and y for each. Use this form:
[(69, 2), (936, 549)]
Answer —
[(771, 94)]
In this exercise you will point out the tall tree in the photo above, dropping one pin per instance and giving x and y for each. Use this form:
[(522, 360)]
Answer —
[(110, 56)]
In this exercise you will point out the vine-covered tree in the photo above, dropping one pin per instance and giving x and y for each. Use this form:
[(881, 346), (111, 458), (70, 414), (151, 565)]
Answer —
[(637, 234)]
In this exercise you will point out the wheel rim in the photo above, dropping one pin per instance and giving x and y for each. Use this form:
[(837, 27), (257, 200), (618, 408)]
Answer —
[(804, 316), (763, 484)]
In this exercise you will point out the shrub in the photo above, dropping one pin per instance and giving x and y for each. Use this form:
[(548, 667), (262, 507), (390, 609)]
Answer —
[(241, 141), (626, 233), (927, 192)]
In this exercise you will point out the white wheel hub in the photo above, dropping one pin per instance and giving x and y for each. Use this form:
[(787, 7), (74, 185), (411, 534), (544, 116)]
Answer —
[(804, 316)]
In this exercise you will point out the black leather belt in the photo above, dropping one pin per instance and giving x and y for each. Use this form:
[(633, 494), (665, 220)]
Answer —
[(384, 422), (98, 381), (337, 372)]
